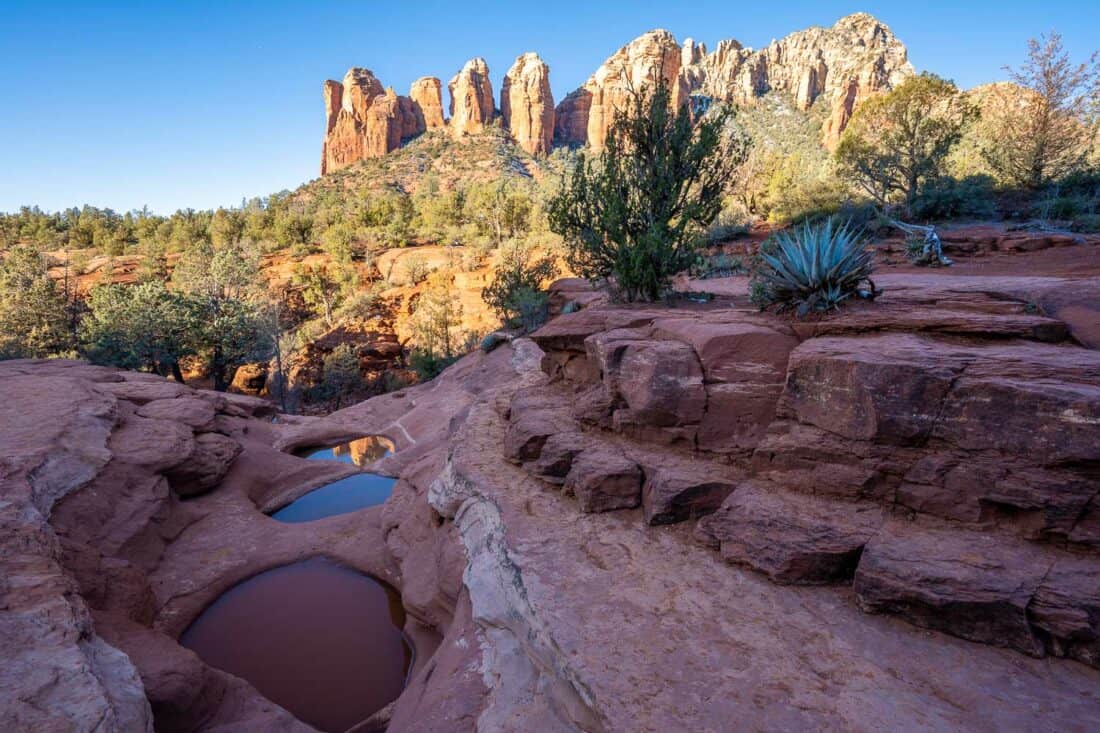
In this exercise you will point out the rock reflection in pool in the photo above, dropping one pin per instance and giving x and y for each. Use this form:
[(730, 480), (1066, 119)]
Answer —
[(319, 639), (361, 452), (349, 494)]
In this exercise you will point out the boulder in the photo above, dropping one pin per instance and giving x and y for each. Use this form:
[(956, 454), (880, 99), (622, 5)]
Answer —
[(974, 585), (154, 444), (604, 479), (676, 493), (661, 383), (527, 104), (791, 538), (194, 412), (556, 457), (206, 465)]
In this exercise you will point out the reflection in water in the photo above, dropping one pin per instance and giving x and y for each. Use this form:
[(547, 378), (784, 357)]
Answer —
[(319, 639), (340, 497), (361, 452)]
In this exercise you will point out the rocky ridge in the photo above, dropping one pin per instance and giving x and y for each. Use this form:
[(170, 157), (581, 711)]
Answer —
[(833, 68), (642, 518)]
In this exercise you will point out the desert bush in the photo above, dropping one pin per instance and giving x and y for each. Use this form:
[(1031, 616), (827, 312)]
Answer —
[(947, 198), (813, 267), (634, 215), (515, 293)]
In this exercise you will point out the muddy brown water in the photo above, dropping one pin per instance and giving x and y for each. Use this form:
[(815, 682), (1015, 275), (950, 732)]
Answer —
[(317, 638)]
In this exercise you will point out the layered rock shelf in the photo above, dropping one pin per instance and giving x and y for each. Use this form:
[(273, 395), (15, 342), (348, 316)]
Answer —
[(832, 68), (640, 518)]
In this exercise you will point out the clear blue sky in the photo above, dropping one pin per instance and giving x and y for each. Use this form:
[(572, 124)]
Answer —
[(196, 104)]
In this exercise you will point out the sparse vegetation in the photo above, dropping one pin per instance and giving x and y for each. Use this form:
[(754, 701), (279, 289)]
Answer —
[(634, 216), (813, 267)]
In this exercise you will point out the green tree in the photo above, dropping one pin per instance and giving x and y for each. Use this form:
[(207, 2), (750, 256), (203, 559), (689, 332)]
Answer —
[(340, 376), (34, 314), (325, 287), (436, 325), (635, 214), (516, 293), (225, 284), (142, 326), (898, 141), (1042, 130)]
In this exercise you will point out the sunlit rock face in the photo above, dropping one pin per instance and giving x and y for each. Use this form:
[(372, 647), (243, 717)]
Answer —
[(527, 104), (837, 67), (364, 120), (426, 95), (472, 104)]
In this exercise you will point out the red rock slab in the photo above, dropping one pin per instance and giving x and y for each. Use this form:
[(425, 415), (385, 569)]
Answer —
[(974, 585), (791, 538)]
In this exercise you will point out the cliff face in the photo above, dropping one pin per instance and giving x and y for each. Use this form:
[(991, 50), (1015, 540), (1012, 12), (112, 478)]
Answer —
[(364, 120), (838, 67), (472, 106), (527, 104), (835, 68)]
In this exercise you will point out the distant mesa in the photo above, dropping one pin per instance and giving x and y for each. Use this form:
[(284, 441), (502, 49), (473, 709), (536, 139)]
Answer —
[(832, 68)]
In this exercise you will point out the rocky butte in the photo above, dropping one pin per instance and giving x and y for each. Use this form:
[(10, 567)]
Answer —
[(833, 69)]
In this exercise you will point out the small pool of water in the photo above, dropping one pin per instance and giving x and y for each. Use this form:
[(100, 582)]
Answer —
[(350, 494), (319, 639), (361, 452)]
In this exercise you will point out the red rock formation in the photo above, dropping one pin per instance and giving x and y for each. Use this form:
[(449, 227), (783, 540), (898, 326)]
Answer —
[(527, 104), (472, 105), (838, 67), (426, 95), (639, 64), (363, 120)]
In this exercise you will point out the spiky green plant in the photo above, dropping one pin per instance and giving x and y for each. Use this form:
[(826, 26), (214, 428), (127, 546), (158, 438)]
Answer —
[(813, 267)]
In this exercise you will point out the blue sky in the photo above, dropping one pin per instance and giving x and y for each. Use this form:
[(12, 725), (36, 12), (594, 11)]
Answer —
[(196, 104)]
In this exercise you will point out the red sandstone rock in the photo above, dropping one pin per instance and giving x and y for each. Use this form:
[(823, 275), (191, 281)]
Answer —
[(371, 121), (603, 479), (527, 104), (556, 456), (675, 493), (977, 586), (472, 106), (426, 94), (206, 465), (194, 412), (791, 538)]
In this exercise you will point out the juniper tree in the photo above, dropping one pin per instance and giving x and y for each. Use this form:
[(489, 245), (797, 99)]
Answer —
[(635, 213)]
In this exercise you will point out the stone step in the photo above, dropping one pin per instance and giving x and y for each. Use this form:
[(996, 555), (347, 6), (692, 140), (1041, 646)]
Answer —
[(792, 538)]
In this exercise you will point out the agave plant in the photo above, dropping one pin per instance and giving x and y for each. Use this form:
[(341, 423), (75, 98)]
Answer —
[(814, 267)]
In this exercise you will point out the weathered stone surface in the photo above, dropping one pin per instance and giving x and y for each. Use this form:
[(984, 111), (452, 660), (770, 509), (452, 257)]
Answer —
[(661, 383), (472, 105), (603, 479), (370, 121), (206, 465), (791, 538), (556, 457), (977, 586), (637, 65), (153, 444), (426, 93), (194, 412), (527, 104), (1066, 608), (534, 418), (678, 492)]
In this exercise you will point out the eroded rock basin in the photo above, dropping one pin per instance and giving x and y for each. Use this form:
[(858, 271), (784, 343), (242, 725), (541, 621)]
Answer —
[(317, 638)]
